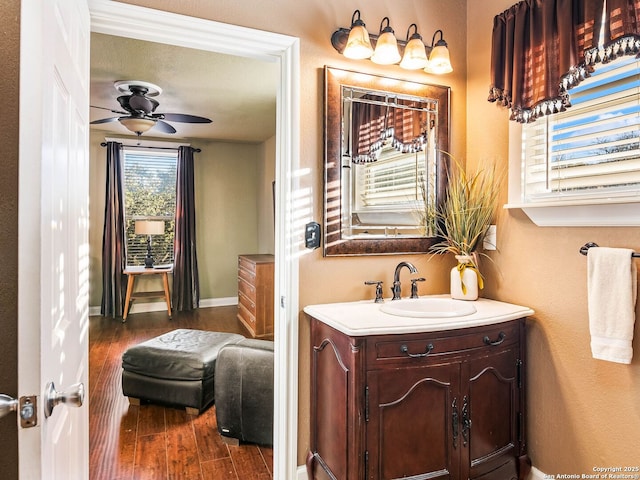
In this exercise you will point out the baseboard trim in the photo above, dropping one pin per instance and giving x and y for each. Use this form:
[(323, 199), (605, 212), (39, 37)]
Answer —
[(161, 306), (536, 474)]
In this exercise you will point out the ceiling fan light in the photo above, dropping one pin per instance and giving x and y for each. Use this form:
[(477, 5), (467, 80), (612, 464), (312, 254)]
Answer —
[(137, 125)]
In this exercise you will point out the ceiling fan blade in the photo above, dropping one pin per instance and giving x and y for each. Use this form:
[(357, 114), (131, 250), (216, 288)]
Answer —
[(180, 117), (110, 110), (104, 120), (164, 127)]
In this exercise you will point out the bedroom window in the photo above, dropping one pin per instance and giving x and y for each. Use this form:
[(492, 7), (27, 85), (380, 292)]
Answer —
[(150, 194)]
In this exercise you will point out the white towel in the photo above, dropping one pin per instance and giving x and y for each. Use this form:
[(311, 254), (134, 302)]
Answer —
[(611, 287)]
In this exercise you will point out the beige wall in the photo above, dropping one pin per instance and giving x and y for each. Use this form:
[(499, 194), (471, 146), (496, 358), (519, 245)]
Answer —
[(582, 412), (229, 181)]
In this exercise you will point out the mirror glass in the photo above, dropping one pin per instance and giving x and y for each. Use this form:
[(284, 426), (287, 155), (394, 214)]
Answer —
[(384, 167)]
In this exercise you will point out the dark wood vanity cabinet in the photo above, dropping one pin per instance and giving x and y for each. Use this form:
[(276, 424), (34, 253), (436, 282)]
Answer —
[(438, 405)]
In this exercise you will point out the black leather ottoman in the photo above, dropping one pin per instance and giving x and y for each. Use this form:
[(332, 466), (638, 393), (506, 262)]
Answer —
[(175, 369), (244, 392)]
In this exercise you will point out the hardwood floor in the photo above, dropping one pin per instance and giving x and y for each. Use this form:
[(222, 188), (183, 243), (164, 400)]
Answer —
[(153, 442)]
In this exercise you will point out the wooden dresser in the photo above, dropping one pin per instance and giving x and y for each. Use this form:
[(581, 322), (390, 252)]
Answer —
[(255, 294)]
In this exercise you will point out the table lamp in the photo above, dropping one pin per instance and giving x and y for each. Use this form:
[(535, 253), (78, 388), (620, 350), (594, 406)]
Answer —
[(148, 228)]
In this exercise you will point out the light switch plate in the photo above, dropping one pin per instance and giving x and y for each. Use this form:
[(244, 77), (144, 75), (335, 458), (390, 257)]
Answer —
[(489, 240), (312, 235)]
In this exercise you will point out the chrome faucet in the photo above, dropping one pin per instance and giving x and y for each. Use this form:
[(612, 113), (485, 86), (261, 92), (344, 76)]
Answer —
[(396, 278)]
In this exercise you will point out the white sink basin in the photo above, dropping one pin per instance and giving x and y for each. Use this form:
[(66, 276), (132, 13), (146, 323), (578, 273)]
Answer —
[(432, 307)]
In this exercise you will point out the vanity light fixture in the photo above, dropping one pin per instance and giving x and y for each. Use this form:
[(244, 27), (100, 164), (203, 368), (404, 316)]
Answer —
[(357, 44), (439, 61), (415, 54), (386, 52)]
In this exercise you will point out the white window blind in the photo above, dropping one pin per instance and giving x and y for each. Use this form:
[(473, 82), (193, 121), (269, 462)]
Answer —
[(150, 194), (591, 150), (392, 181)]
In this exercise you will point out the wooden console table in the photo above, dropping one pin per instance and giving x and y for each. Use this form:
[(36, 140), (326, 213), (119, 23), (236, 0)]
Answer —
[(133, 273)]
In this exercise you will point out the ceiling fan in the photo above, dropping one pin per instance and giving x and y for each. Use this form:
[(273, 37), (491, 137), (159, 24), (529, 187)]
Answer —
[(139, 109)]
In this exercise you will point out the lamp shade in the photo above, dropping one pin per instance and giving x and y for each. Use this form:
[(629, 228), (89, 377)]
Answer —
[(386, 52), (439, 61), (415, 55), (137, 125), (358, 45), (149, 227)]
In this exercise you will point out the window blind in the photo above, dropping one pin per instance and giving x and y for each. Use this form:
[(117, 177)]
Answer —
[(393, 180), (593, 148), (150, 194)]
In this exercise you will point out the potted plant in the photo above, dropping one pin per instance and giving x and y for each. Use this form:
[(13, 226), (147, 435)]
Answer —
[(463, 219)]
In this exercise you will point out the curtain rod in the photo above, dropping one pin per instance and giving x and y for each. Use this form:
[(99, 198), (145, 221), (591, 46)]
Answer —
[(104, 144)]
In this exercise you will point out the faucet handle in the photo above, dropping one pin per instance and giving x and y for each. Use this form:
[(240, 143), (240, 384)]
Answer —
[(378, 284), (414, 286)]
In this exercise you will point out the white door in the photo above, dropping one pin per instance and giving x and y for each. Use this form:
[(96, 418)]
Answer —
[(53, 239)]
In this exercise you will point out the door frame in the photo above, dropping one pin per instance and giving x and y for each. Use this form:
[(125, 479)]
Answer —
[(119, 19)]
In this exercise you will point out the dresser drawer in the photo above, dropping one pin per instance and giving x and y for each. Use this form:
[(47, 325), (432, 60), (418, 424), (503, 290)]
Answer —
[(246, 264), (247, 314), (248, 275), (247, 289), (246, 303), (425, 346)]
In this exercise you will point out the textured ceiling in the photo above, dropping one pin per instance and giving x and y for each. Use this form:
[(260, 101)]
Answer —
[(238, 94)]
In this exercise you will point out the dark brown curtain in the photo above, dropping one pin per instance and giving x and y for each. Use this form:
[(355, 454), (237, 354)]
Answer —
[(542, 48), (186, 286), (114, 243), (372, 124)]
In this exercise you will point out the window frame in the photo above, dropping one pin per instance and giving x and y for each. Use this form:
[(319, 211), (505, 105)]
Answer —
[(581, 208), (140, 144)]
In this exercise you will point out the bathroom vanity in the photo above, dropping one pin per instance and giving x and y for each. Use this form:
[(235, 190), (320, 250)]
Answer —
[(401, 396)]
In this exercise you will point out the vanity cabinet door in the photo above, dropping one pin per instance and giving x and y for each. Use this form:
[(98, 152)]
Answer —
[(491, 416), (411, 422)]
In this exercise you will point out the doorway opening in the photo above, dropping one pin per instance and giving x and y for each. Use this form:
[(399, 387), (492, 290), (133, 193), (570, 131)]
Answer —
[(114, 18)]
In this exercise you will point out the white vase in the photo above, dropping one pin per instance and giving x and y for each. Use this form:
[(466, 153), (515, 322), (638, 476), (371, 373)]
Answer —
[(464, 280)]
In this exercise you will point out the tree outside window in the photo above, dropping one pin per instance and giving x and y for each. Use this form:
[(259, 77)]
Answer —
[(150, 194)]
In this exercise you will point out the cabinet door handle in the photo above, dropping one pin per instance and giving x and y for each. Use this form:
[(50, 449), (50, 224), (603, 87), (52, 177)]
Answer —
[(405, 349), (501, 337), (466, 422), (454, 422)]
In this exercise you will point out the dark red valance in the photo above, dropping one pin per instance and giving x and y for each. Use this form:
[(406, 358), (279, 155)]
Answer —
[(542, 48), (373, 123)]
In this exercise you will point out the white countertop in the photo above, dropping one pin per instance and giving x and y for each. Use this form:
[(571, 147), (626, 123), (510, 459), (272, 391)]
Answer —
[(365, 317)]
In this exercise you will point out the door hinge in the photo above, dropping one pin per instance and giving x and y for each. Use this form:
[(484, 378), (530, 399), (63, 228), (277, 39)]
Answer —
[(366, 463), (519, 372), (520, 426), (366, 403)]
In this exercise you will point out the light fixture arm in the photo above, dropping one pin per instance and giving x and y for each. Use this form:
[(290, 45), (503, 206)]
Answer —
[(356, 22), (385, 29), (441, 42), (415, 33)]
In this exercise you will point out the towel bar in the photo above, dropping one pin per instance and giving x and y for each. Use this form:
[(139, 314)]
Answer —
[(587, 246)]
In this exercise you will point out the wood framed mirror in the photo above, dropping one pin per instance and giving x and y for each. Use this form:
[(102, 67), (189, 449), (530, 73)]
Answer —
[(385, 167)]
